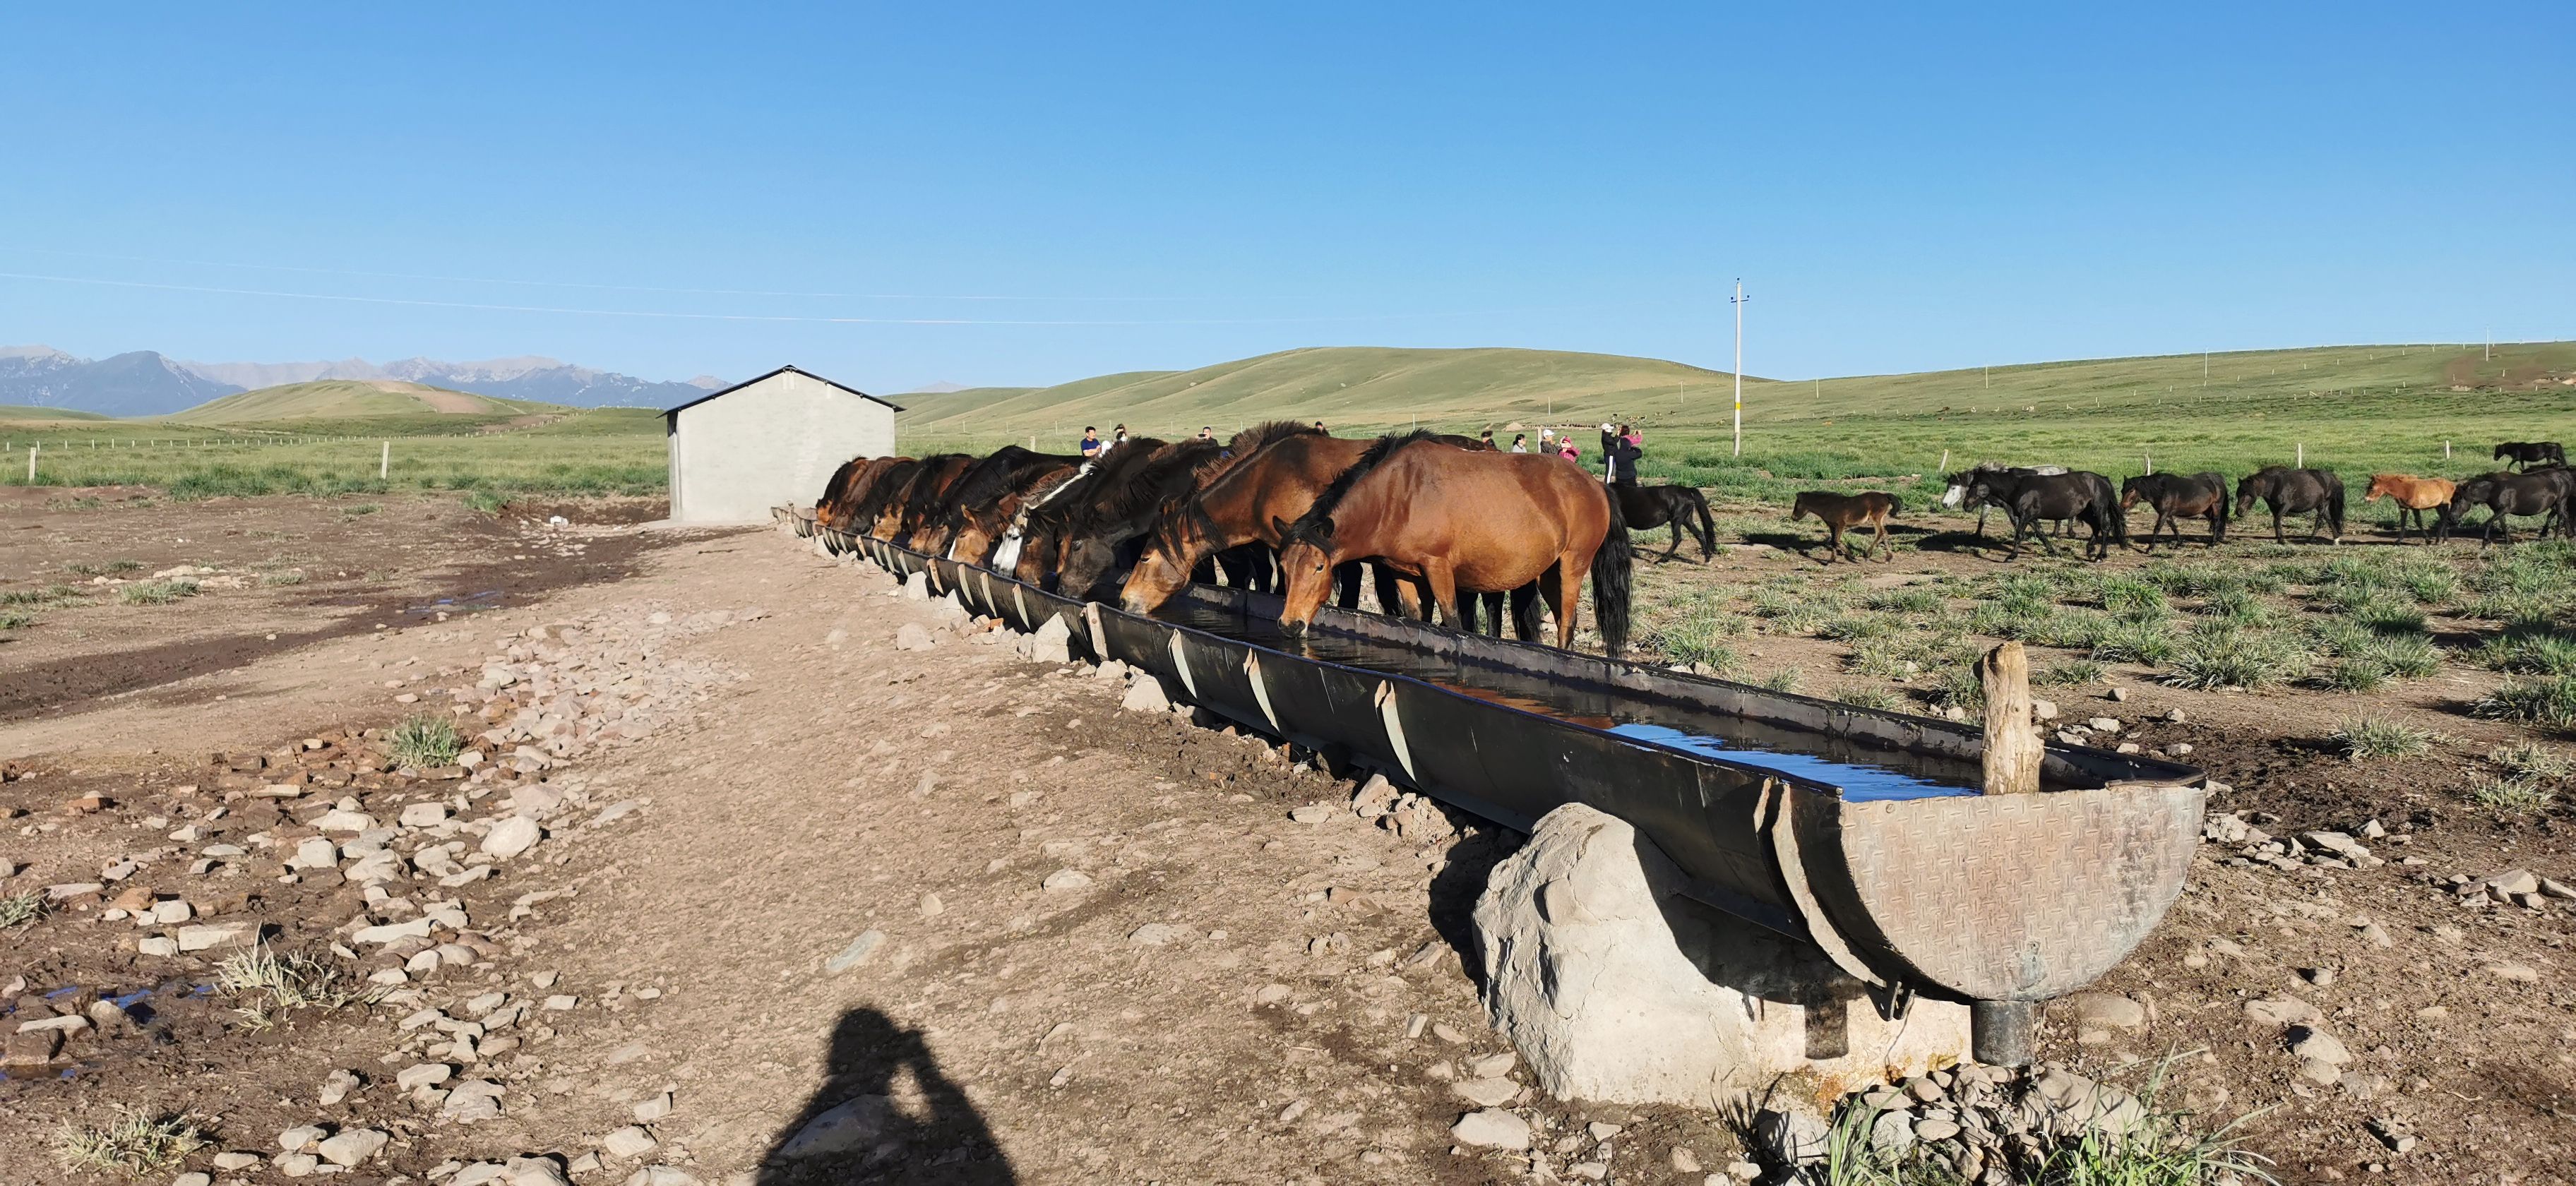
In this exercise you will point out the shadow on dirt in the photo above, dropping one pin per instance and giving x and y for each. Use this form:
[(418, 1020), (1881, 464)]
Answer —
[(885, 1113)]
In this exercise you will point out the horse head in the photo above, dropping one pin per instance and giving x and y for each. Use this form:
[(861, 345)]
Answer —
[(1170, 553), (1306, 564)]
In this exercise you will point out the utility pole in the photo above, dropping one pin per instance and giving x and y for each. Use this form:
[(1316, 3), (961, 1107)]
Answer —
[(1739, 365), (2204, 368), (2490, 345)]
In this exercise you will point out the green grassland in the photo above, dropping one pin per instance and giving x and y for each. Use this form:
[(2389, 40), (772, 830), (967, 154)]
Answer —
[(342, 399), (596, 451), (23, 413)]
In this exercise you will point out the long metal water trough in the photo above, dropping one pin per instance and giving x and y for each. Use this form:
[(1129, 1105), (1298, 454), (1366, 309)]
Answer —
[(1854, 830)]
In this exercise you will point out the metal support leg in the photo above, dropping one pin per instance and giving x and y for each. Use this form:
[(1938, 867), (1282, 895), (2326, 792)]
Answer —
[(1999, 1032)]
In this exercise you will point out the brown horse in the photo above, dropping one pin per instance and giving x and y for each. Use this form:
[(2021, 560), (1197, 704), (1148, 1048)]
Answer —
[(2177, 497), (1464, 519), (849, 487), (2414, 496), (903, 512), (977, 527), (1840, 512)]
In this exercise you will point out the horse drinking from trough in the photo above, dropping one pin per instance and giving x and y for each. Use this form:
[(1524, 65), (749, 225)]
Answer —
[(2288, 491), (1459, 519), (1839, 512), (2413, 496), (2177, 497), (2029, 499)]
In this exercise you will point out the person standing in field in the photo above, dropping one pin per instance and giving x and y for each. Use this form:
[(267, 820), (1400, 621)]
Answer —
[(1624, 451), (1207, 432), (1520, 442), (1487, 437), (1091, 446), (1567, 449), (1547, 440)]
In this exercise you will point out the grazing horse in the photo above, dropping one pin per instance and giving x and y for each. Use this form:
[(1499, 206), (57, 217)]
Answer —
[(1649, 507), (2530, 453), (903, 514), (850, 488), (2292, 491), (1119, 485), (978, 529), (2414, 496), (1841, 511), (978, 491), (2177, 497), (2544, 491), (1459, 519), (2031, 499)]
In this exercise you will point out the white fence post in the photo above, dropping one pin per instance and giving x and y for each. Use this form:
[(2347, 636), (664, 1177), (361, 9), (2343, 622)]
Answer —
[(385, 462)]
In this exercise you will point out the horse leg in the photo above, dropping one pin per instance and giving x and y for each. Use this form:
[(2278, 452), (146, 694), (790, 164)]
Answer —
[(1493, 613), (1677, 541), (1885, 555), (1570, 570), (1525, 612), (2276, 524), (1833, 539)]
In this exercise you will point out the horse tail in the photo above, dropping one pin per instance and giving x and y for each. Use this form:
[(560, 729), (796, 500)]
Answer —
[(1706, 528), (1610, 572), (1895, 506)]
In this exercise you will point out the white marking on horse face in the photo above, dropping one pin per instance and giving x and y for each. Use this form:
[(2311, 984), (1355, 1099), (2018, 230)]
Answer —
[(1954, 495)]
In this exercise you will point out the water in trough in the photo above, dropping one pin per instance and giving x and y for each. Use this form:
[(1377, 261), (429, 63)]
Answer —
[(1862, 772)]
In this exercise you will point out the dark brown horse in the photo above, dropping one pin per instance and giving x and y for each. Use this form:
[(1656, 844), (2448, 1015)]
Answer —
[(2177, 497), (2530, 453), (1649, 507), (2290, 491), (978, 493), (1840, 512), (850, 488), (2545, 491), (904, 510), (2029, 499), (1459, 519)]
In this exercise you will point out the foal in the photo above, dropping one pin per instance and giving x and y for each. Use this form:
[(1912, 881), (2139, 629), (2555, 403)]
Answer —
[(1841, 511), (2414, 496)]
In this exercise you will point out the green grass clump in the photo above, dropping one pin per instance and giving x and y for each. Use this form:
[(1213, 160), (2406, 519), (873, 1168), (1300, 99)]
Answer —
[(156, 592), (2074, 671), (2390, 615), (268, 985), (2530, 759), (2430, 582), (1854, 627), (2237, 607), (2409, 655), (2378, 737), (1863, 696), (134, 1144), (2511, 796), (2151, 643), (1906, 601), (2352, 675), (50, 595), (291, 576), (1783, 680), (2132, 597), (22, 910), (14, 619), (423, 740), (2539, 700), (2219, 656), (2528, 652), (111, 568)]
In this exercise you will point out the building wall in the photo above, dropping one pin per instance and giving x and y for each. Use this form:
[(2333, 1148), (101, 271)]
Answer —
[(778, 441)]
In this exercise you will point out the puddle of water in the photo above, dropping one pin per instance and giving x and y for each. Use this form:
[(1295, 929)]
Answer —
[(1863, 773)]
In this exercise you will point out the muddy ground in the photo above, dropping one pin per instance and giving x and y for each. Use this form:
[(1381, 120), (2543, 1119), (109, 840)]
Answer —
[(1222, 995)]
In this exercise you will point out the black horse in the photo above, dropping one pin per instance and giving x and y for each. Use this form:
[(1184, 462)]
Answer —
[(1649, 507), (2545, 491), (2031, 499), (2177, 497), (2294, 491), (1958, 492), (2530, 453)]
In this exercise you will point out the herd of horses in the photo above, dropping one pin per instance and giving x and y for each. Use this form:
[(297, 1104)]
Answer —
[(1446, 525), (2035, 499)]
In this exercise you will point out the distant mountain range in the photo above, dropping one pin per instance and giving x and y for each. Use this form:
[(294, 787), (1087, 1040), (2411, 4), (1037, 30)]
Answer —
[(143, 383)]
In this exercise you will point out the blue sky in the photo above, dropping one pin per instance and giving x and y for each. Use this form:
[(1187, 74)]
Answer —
[(1142, 187)]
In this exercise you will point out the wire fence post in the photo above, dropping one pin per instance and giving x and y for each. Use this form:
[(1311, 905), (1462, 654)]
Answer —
[(31, 463), (385, 461), (2303, 455)]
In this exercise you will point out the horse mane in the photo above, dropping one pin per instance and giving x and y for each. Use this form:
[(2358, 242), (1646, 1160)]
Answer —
[(1370, 458), (1265, 434)]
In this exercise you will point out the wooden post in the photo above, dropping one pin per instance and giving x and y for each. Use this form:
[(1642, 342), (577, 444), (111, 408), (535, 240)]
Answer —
[(31, 463), (2013, 749), (2150, 457), (2446, 450), (2303, 455), (385, 461), (1945, 462)]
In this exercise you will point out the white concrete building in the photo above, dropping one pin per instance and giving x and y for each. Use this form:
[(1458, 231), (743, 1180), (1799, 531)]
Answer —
[(776, 439)]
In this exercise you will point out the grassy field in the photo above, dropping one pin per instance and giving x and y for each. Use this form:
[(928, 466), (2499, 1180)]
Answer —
[(2357, 409), (599, 451), (343, 399)]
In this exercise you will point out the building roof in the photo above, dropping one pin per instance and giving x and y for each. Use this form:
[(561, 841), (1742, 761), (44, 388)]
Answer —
[(677, 409)]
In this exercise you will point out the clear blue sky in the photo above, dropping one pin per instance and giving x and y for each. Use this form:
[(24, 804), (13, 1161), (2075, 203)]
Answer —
[(1900, 189)]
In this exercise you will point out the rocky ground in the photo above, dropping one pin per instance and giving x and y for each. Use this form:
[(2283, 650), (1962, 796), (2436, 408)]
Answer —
[(768, 873)]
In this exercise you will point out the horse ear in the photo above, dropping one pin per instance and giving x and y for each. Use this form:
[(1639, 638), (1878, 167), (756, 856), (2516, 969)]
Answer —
[(1324, 528), (1279, 525)]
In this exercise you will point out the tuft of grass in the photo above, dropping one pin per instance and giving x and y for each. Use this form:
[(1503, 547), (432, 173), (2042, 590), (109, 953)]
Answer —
[(2074, 671), (2530, 759), (1961, 689), (134, 1144), (292, 576), (364, 508), (1906, 601), (111, 568), (2151, 643), (1861, 696), (268, 984), (22, 910), (1854, 627), (50, 595), (425, 739), (14, 619), (156, 592), (2379, 737), (485, 501), (2353, 675), (2548, 700), (2237, 607), (2543, 651), (2511, 796), (2220, 656), (2390, 615), (1783, 680)]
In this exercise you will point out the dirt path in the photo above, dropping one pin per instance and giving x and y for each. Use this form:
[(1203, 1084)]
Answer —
[(1210, 992)]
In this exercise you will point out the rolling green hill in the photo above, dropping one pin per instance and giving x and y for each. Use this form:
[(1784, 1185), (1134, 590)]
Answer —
[(345, 399), (24, 413), (1358, 388)]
